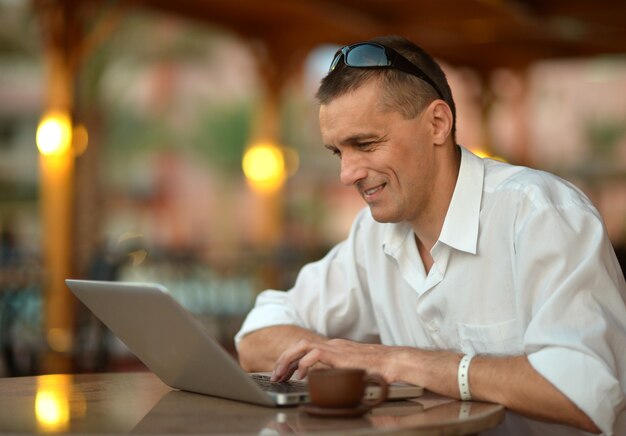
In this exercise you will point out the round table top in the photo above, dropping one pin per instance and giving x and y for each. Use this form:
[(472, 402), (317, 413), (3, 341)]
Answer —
[(141, 403)]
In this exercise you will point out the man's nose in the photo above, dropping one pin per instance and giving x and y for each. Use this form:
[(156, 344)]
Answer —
[(352, 169)]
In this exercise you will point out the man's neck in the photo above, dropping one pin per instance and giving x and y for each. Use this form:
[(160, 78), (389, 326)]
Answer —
[(427, 259), (428, 228)]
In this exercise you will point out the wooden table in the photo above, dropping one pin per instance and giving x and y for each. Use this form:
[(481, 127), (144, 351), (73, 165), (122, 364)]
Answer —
[(141, 403)]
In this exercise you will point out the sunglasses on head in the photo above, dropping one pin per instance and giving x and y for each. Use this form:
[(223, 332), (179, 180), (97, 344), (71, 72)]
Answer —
[(374, 55)]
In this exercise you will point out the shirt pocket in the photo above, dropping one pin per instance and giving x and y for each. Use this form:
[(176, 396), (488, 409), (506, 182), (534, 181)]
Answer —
[(502, 338)]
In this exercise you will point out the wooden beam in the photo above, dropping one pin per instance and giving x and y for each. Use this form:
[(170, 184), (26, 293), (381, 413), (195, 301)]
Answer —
[(59, 29)]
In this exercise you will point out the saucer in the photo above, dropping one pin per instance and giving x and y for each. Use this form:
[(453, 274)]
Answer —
[(312, 410)]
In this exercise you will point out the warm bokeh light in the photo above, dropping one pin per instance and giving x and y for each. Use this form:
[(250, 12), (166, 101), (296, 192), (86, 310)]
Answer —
[(80, 139), (480, 152), (52, 404), (54, 133), (485, 154), (264, 167)]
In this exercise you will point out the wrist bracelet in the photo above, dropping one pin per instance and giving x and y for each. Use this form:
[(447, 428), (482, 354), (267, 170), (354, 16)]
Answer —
[(464, 389)]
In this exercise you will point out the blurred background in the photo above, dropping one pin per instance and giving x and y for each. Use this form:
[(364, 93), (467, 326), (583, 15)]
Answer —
[(178, 142)]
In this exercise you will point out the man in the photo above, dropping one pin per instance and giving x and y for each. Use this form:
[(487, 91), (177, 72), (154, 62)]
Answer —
[(473, 278)]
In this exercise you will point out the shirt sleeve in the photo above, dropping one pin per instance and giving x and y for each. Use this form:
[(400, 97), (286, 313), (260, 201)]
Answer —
[(330, 297), (572, 291)]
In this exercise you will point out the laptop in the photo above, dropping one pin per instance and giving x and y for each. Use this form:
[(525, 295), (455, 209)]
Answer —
[(174, 345)]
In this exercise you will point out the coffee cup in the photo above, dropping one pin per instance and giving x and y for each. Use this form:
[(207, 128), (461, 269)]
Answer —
[(344, 388)]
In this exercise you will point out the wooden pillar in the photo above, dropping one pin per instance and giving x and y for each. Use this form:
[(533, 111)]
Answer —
[(266, 130), (270, 202), (278, 61), (60, 31)]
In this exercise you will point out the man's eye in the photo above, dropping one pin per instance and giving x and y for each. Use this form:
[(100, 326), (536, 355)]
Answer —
[(335, 152)]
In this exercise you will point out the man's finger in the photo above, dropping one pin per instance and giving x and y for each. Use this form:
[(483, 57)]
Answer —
[(285, 367)]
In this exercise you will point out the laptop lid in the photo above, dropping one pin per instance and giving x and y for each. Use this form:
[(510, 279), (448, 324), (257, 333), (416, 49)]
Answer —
[(171, 342)]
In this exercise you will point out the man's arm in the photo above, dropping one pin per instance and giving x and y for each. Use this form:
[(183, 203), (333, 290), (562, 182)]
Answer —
[(514, 383), (259, 350), (510, 381)]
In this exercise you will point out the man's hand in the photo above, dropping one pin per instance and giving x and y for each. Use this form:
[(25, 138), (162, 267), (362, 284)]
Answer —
[(339, 353), (259, 350), (412, 365)]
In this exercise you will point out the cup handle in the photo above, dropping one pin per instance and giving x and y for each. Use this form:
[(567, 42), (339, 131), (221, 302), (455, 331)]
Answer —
[(376, 380)]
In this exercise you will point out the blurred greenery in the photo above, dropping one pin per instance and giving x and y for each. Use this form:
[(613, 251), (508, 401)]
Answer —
[(130, 132), (222, 133), (604, 135)]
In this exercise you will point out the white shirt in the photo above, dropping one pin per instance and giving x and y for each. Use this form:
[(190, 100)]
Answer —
[(523, 265)]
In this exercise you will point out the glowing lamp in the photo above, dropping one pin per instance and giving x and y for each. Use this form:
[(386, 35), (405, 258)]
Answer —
[(54, 134), (264, 167)]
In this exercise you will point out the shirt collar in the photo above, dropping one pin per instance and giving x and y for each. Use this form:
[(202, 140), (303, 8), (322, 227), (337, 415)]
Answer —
[(460, 227)]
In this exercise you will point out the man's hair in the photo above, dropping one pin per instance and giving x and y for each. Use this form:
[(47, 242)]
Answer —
[(402, 92)]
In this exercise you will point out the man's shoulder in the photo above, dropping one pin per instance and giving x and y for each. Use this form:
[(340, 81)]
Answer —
[(539, 187)]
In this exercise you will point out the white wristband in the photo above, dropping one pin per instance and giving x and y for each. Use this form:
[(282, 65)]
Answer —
[(464, 389)]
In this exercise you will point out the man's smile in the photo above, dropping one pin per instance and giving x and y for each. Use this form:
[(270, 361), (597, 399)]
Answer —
[(371, 192)]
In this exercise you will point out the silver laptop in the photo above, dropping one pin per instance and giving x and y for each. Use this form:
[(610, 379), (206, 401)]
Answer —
[(174, 345)]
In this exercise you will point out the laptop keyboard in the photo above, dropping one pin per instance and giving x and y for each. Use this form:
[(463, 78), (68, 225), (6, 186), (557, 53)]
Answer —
[(283, 387)]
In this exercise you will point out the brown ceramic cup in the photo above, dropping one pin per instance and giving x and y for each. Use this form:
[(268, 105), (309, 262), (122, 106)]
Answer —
[(342, 388)]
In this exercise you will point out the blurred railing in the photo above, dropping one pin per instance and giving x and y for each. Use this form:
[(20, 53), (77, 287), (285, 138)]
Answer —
[(21, 335), (219, 299)]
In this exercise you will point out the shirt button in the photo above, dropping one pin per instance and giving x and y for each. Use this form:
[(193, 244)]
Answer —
[(432, 326)]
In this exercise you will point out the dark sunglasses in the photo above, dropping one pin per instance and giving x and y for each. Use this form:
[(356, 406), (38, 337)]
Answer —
[(373, 55)]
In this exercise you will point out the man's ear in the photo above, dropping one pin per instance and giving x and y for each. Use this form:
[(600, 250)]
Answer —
[(441, 120)]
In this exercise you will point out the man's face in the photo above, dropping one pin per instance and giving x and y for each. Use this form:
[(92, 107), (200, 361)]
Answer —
[(388, 159)]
